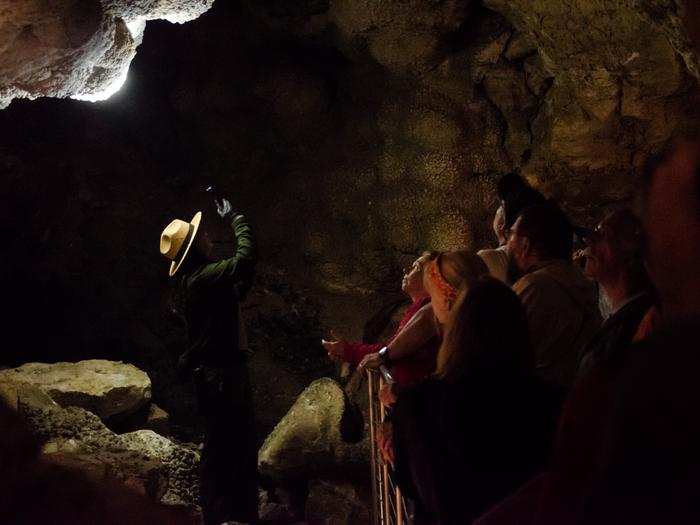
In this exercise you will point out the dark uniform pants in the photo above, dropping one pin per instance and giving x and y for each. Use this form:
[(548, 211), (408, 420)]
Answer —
[(228, 468)]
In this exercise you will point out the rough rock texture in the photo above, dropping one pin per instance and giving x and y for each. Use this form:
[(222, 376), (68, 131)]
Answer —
[(18, 396), (621, 86), (353, 135), (93, 438), (144, 474), (106, 388), (333, 502), (157, 420), (76, 48), (307, 441), (35, 490)]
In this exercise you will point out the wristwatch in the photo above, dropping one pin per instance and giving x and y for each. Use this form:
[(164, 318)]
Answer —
[(384, 356)]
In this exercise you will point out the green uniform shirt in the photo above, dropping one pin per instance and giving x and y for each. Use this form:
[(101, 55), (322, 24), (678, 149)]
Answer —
[(212, 295)]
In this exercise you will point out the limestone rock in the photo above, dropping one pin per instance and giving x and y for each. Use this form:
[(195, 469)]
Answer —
[(76, 49), (107, 388), (332, 502), (19, 395), (77, 430), (611, 64), (307, 440), (145, 474), (148, 417), (157, 420), (401, 36), (182, 464)]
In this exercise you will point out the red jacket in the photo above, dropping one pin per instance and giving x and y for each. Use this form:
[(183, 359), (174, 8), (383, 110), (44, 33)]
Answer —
[(410, 370)]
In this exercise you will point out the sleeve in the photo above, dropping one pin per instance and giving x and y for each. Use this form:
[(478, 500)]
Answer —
[(236, 271), (539, 304), (354, 352)]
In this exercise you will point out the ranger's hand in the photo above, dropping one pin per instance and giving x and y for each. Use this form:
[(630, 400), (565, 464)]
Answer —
[(223, 207)]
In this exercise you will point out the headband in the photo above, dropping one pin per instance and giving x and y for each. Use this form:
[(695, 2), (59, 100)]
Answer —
[(446, 288)]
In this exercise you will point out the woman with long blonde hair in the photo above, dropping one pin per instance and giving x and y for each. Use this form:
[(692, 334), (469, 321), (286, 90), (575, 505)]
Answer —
[(484, 423)]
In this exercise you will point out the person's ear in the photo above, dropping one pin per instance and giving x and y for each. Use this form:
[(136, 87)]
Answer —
[(526, 246)]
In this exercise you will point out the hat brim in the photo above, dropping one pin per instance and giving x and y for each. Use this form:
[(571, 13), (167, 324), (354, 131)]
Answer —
[(175, 265)]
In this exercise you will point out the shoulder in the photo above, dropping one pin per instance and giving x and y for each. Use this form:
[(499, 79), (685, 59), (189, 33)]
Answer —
[(533, 282)]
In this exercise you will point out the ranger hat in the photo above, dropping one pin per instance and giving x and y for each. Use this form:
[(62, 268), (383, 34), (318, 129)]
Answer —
[(176, 240)]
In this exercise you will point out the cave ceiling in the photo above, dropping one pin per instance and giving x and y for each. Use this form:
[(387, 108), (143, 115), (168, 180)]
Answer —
[(354, 134)]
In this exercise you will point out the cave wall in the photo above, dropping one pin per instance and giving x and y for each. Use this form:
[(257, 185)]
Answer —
[(352, 134)]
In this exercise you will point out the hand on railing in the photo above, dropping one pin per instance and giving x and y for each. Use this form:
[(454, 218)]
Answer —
[(371, 361), (384, 443), (335, 347)]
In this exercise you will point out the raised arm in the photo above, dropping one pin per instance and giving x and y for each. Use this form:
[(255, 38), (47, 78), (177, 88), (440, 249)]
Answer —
[(238, 270)]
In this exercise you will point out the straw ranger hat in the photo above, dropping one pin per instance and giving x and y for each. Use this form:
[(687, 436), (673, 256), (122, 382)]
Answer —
[(176, 240)]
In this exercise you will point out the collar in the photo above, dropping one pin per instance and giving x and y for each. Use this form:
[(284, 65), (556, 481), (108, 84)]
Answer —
[(627, 301)]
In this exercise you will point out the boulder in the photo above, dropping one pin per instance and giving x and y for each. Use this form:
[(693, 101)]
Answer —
[(157, 420), (77, 49), (78, 430), (19, 395), (144, 474), (308, 441), (106, 388), (333, 502), (149, 417), (181, 462)]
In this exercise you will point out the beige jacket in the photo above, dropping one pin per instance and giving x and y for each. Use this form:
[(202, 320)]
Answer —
[(562, 307), (496, 261)]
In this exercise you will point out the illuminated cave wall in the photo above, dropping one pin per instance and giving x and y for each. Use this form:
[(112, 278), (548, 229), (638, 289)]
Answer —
[(353, 134)]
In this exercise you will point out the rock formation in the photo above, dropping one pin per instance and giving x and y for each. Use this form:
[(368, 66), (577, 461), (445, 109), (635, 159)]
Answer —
[(106, 388), (307, 442), (157, 466), (76, 437), (76, 49), (353, 135)]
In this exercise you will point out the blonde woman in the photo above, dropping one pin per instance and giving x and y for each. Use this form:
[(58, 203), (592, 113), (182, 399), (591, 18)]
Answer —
[(484, 423)]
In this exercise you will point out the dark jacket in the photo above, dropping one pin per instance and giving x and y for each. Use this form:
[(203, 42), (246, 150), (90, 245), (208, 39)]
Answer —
[(212, 294), (609, 344), (651, 469), (461, 447)]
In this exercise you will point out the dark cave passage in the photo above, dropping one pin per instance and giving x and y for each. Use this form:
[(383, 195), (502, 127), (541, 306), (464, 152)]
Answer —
[(352, 136)]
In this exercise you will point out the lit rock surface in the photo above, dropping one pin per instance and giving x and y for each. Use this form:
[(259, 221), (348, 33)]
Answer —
[(106, 388), (144, 474), (134, 456), (20, 395), (76, 49), (307, 441), (619, 75)]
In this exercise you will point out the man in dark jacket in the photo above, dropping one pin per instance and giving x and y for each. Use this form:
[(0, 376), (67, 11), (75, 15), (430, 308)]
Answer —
[(210, 294)]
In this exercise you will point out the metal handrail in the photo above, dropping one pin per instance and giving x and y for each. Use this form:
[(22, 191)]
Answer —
[(389, 507)]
